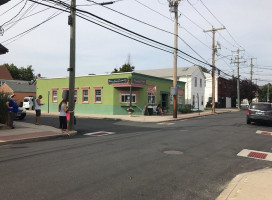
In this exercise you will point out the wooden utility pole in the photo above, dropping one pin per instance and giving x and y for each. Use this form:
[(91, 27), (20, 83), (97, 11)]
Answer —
[(238, 78), (213, 30), (173, 4), (71, 69)]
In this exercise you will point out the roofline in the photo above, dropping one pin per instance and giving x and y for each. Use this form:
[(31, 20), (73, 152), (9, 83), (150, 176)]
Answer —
[(112, 74)]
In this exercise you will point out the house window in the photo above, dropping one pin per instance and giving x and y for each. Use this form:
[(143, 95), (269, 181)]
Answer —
[(202, 100), (220, 84), (98, 95), (85, 96), (195, 81), (194, 100), (151, 99), (54, 96), (200, 83), (225, 85), (125, 98)]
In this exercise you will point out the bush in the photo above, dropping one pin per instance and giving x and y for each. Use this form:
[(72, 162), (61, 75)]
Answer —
[(3, 107), (185, 110)]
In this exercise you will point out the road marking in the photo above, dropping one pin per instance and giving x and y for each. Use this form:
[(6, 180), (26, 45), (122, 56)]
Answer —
[(100, 133), (165, 123), (260, 155), (263, 132)]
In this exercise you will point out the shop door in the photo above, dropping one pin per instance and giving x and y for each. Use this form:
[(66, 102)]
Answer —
[(164, 101)]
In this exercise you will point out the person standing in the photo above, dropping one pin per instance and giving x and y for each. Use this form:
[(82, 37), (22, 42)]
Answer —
[(12, 108), (38, 105), (62, 116)]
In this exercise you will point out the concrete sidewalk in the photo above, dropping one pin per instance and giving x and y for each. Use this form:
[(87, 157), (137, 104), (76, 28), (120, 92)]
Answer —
[(26, 132), (144, 118), (248, 186)]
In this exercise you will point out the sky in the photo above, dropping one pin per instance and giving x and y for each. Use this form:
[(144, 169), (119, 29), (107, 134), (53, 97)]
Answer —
[(99, 50)]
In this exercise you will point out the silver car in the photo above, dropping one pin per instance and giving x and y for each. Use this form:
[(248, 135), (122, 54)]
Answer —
[(259, 112)]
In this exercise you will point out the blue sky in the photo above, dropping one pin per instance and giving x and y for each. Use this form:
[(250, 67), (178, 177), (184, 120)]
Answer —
[(99, 50)]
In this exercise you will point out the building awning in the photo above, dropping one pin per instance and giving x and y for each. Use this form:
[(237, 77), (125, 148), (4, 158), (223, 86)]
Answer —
[(3, 49), (124, 85), (125, 82)]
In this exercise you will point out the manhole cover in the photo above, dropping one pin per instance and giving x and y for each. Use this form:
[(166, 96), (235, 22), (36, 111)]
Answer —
[(173, 152)]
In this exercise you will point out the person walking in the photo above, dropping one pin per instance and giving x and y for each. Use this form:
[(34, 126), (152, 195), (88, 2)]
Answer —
[(38, 105), (12, 108), (62, 116)]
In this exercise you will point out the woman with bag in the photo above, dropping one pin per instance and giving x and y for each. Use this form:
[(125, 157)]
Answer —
[(62, 116)]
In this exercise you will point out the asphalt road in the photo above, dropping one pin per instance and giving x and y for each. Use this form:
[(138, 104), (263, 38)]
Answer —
[(190, 159)]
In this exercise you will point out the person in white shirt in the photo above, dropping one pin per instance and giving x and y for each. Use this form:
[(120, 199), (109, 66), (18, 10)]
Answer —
[(38, 105)]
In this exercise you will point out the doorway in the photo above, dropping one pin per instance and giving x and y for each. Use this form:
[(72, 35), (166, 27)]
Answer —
[(164, 101)]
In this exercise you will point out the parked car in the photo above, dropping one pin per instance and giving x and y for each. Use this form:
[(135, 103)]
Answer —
[(21, 113), (28, 103), (259, 112)]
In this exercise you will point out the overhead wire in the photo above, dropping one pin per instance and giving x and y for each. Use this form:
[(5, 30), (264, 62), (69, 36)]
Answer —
[(11, 8), (151, 26), (16, 14)]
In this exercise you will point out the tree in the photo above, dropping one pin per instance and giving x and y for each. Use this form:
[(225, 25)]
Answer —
[(264, 92), (127, 67), (22, 73), (248, 90)]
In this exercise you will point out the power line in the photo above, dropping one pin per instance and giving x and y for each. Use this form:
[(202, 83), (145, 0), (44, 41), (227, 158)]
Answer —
[(16, 14), (12, 8), (199, 13), (152, 27), (31, 29)]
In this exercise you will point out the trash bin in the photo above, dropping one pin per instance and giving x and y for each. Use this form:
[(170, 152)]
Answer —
[(150, 111)]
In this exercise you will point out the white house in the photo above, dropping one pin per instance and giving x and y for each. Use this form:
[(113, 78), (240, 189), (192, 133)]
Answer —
[(195, 82)]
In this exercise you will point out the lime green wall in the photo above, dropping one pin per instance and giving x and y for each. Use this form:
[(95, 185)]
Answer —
[(110, 96)]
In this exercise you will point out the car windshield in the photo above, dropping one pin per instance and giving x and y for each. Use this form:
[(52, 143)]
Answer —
[(262, 107), (26, 100)]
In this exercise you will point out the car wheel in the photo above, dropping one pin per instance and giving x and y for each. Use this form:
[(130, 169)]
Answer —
[(248, 121)]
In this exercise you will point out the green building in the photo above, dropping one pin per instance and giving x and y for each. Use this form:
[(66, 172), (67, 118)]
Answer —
[(110, 94)]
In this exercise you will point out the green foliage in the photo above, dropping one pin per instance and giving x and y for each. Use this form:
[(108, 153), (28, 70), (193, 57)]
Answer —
[(248, 90), (127, 67), (185, 109), (3, 107), (22, 73), (264, 92)]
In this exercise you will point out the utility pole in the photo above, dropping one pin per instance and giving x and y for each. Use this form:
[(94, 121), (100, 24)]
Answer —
[(213, 30), (238, 77), (71, 69), (251, 68), (173, 4)]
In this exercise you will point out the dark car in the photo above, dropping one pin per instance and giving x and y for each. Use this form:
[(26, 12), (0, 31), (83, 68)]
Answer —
[(259, 112)]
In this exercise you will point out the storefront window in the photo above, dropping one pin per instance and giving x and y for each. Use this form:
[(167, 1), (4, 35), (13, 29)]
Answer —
[(125, 98), (151, 99), (98, 96), (85, 96), (54, 96)]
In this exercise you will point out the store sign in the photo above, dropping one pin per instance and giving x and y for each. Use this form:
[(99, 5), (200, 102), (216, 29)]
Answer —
[(117, 80), (139, 81)]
